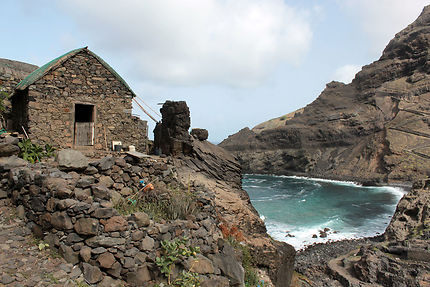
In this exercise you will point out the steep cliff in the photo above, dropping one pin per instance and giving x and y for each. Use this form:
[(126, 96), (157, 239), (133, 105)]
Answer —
[(375, 129)]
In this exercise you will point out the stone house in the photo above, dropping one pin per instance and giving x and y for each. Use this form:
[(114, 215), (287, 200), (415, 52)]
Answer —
[(77, 101)]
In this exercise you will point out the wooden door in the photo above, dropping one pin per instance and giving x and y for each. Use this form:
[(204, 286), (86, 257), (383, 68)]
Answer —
[(84, 133)]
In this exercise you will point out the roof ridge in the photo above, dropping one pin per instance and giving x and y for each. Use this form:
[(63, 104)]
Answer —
[(43, 70)]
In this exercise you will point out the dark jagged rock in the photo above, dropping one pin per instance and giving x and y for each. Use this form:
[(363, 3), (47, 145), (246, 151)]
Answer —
[(374, 129), (171, 136), (200, 134)]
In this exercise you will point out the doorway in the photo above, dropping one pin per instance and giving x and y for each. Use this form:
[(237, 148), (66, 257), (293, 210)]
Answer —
[(84, 124)]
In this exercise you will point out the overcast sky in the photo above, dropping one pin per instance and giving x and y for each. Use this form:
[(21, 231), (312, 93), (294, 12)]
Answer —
[(236, 62)]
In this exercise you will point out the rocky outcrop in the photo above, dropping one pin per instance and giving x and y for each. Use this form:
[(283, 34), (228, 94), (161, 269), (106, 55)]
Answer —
[(374, 129), (210, 167), (171, 136)]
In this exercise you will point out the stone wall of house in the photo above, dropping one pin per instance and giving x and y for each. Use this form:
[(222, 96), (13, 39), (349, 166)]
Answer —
[(72, 211), (82, 79), (11, 73)]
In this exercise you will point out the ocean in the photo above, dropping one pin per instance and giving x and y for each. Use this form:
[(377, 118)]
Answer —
[(296, 209)]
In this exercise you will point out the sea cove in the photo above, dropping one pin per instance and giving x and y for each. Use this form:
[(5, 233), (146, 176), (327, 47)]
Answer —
[(296, 209)]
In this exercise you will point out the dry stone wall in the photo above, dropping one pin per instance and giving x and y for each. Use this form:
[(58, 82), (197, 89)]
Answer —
[(72, 211)]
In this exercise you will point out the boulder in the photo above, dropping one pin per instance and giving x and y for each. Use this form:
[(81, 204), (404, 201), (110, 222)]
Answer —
[(8, 163), (200, 134), (92, 274), (147, 244), (87, 226), (68, 254), (116, 223), (230, 266), (106, 163), (8, 149), (140, 277), (106, 260), (61, 221), (200, 264), (141, 219), (71, 159)]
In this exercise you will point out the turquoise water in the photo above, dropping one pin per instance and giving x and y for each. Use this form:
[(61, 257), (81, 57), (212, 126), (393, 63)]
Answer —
[(296, 208)]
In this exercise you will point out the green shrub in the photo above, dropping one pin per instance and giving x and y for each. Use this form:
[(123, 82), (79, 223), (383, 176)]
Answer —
[(33, 152), (173, 252)]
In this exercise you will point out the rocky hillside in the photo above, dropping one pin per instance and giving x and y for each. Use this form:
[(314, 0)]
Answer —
[(375, 129)]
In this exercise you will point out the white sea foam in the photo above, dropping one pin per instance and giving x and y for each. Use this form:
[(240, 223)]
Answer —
[(303, 235)]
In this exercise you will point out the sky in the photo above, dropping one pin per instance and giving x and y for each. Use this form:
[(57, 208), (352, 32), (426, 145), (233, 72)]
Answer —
[(236, 63)]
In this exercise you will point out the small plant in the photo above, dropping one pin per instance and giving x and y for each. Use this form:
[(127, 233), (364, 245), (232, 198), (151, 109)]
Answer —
[(42, 245), (173, 252), (33, 152)]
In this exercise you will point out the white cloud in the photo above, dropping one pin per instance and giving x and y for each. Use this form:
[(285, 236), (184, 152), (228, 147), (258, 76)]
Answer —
[(346, 73), (233, 42), (382, 19)]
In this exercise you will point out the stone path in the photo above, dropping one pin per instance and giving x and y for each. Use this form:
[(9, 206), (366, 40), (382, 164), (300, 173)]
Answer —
[(21, 261)]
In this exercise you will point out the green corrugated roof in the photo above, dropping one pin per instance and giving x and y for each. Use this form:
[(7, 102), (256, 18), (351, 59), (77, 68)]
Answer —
[(40, 72)]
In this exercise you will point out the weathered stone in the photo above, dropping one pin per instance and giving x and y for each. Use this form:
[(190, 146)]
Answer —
[(110, 282), (82, 194), (100, 191), (115, 270), (85, 181), (137, 235), (106, 163), (229, 265), (63, 193), (171, 135), (87, 226), (128, 262), (90, 170), (92, 273), (106, 181), (8, 163), (104, 212), (140, 277), (53, 184), (106, 260), (215, 281), (52, 240), (200, 264), (147, 244), (131, 252), (116, 223), (97, 241), (141, 219), (68, 254), (85, 253), (3, 194), (73, 238), (140, 257), (20, 212), (72, 160), (98, 250), (200, 134), (61, 221), (120, 162), (8, 149)]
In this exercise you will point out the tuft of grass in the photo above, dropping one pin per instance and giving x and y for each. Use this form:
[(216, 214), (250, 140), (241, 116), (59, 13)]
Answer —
[(167, 204)]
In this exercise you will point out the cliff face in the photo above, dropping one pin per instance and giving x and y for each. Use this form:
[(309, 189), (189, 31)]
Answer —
[(376, 128)]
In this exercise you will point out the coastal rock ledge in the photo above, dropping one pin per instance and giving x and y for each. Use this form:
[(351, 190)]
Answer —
[(374, 130)]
